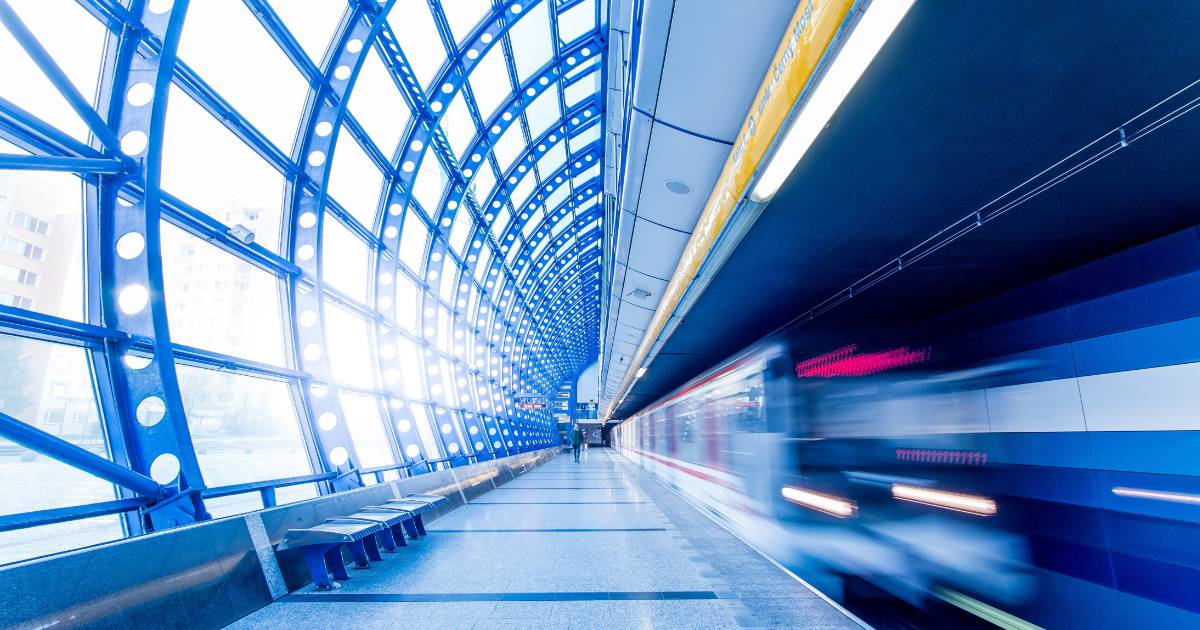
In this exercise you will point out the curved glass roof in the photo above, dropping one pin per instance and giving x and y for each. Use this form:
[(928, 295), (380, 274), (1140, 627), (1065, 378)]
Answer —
[(242, 241)]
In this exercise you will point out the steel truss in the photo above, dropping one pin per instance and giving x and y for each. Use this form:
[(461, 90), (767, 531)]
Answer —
[(536, 318)]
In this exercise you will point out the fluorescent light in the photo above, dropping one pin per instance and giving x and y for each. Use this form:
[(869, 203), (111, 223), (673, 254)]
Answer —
[(968, 503), (641, 372), (872, 31), (1174, 497), (833, 506)]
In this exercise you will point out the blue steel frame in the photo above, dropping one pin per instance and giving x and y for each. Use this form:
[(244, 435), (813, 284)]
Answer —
[(527, 299)]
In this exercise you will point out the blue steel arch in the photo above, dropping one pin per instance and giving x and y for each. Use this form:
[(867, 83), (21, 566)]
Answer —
[(499, 298)]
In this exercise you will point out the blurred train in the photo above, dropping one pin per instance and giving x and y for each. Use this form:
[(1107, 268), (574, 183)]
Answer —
[(1031, 460)]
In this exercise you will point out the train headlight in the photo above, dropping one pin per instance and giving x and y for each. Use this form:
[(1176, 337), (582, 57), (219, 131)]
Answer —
[(831, 505)]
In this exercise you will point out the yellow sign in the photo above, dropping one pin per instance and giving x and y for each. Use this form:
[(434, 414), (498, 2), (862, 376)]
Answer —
[(812, 28)]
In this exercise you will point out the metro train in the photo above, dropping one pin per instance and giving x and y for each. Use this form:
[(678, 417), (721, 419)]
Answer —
[(1031, 460)]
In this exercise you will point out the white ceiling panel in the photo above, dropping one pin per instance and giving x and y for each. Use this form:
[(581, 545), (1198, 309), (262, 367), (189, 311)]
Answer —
[(624, 235), (637, 143), (717, 55), (655, 249), (642, 289), (656, 26), (633, 316), (677, 156)]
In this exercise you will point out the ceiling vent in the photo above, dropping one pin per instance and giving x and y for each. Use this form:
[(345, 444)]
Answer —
[(677, 187)]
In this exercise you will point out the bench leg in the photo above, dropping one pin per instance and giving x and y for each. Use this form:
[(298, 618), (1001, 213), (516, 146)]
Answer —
[(420, 525), (359, 552), (316, 566), (333, 560), (372, 546), (410, 526), (398, 535), (387, 541)]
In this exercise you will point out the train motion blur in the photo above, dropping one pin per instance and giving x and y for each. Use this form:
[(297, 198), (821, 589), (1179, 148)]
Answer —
[(1031, 460)]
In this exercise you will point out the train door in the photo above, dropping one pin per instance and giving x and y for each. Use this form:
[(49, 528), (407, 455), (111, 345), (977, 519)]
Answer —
[(671, 429), (715, 439)]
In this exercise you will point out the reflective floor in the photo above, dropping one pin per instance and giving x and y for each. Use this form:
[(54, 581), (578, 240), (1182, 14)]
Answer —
[(596, 544)]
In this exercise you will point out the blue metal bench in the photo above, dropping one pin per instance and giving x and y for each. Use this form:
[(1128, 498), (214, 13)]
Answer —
[(418, 504), (322, 547), (396, 521), (416, 508), (363, 532), (434, 500)]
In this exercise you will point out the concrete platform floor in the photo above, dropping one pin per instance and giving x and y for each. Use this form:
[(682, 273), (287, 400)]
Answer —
[(598, 544)]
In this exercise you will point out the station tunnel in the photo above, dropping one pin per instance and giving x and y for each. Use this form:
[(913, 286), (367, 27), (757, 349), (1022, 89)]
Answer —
[(599, 314)]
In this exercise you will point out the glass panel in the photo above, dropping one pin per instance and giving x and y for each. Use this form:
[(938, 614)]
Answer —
[(448, 279), (412, 241), (407, 296), (481, 265), (463, 15), (429, 442), (311, 23), (377, 104), (430, 184), (354, 180), (41, 224), (251, 501), (74, 39), (524, 188), (485, 182), (555, 199), (543, 112), (531, 44), (489, 81), (508, 148), (349, 347), (458, 125), (501, 221), (52, 391), (418, 37), (245, 429), (443, 393), (586, 176), (445, 328), (581, 140), (409, 357), (552, 159), (207, 166), (537, 251), (582, 68), (461, 230), (224, 43), (561, 225), (581, 89), (535, 219), (365, 424), (577, 21), (219, 302), (345, 259)]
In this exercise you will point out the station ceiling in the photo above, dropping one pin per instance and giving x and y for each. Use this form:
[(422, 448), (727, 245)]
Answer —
[(970, 106)]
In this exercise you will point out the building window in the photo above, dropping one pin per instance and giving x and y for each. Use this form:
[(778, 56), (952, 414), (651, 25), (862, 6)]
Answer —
[(18, 275), (19, 247), (18, 301), (24, 221)]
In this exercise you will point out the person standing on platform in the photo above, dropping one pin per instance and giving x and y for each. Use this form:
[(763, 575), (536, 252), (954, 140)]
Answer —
[(576, 441)]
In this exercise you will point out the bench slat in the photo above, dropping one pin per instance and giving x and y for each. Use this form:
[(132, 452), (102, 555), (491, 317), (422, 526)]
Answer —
[(328, 533)]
